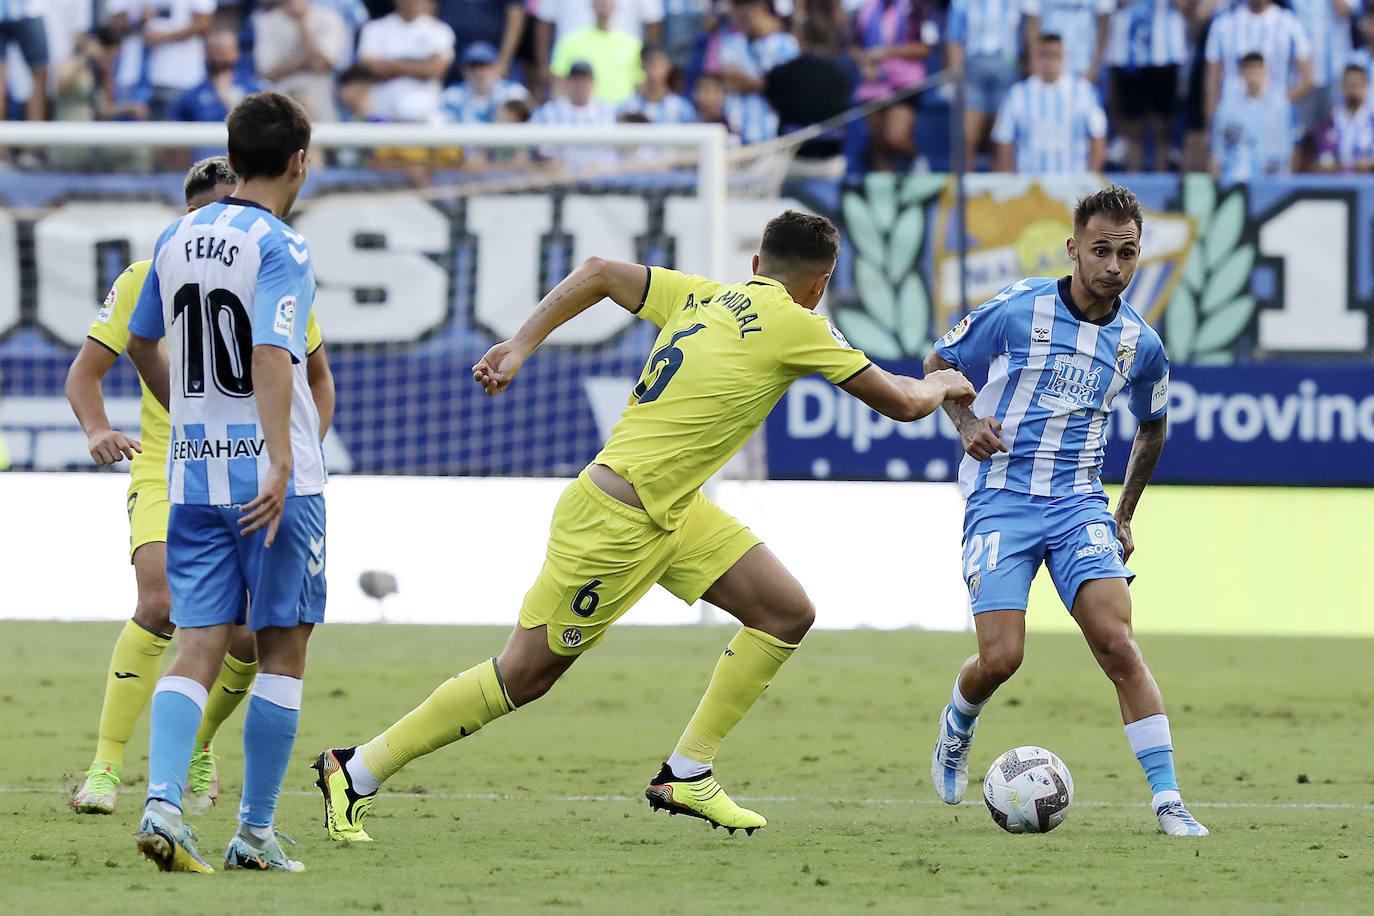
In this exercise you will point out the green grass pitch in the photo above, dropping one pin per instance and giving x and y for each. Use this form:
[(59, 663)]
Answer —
[(544, 811)]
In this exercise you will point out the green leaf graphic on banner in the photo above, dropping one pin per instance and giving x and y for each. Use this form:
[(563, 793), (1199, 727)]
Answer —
[(875, 292), (914, 308), (920, 187), (905, 243), (1195, 272), (1223, 327), (1229, 279), (1180, 325), (881, 190), (866, 334), (1224, 229), (863, 232), (1199, 199)]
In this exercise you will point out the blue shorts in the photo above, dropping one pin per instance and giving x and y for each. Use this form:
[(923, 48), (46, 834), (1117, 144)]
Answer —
[(213, 570), (30, 35), (1007, 535), (989, 80)]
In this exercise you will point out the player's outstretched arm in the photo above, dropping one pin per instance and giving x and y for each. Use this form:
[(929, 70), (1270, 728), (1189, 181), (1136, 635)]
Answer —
[(272, 392), (903, 398), (153, 367), (594, 280), (107, 445), (1145, 452), (321, 379), (980, 436)]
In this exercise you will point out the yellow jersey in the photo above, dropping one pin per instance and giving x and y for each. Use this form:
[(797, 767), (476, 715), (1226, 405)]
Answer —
[(724, 356), (111, 330)]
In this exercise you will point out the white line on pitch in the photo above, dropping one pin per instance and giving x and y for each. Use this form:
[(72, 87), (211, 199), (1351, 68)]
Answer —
[(766, 799)]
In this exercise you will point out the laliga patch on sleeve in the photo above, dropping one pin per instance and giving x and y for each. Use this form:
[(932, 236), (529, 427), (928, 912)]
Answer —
[(285, 320), (955, 332), (107, 310), (1159, 395), (839, 337)]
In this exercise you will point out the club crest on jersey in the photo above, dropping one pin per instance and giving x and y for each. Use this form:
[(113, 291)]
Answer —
[(839, 337), (1073, 384), (955, 332), (1125, 359), (108, 308), (572, 637), (285, 319)]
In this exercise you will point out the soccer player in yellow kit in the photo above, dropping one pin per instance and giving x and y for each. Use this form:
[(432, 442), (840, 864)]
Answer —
[(137, 656), (636, 516)]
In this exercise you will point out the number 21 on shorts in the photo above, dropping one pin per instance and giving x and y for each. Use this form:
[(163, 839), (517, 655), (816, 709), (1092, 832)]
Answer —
[(974, 549)]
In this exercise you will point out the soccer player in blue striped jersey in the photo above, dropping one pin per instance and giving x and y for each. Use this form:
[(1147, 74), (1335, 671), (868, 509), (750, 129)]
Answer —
[(1051, 123), (230, 288), (1082, 24), (746, 56), (1147, 47), (1259, 27), (1061, 351), (983, 43)]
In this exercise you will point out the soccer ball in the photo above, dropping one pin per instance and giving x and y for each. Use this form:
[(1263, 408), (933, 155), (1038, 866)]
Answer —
[(1028, 790)]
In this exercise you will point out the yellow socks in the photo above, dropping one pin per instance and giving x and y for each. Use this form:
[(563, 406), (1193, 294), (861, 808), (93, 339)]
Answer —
[(456, 709), (228, 690), (134, 668), (743, 672)]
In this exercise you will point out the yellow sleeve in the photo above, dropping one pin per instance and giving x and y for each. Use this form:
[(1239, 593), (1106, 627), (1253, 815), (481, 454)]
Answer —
[(810, 343), (111, 325), (313, 339), (666, 291)]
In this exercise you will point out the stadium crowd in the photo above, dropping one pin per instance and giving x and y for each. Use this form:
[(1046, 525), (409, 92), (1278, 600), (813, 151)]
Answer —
[(1243, 89)]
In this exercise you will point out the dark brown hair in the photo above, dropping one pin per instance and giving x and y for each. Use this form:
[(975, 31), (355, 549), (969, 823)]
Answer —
[(265, 130), (795, 238), (1116, 203)]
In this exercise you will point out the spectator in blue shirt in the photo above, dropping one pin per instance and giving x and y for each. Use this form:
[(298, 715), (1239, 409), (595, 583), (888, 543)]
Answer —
[(1253, 130), (655, 98), (224, 86), (483, 90)]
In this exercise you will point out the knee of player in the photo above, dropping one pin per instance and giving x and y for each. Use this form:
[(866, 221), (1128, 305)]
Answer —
[(1119, 653), (1001, 661), (154, 609)]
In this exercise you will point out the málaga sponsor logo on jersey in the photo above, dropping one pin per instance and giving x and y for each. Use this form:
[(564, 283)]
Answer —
[(1017, 227), (1073, 385)]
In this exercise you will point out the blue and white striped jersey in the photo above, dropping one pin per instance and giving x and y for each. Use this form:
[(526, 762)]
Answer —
[(1051, 124), (1253, 137), (461, 105), (1147, 33), (1074, 21), (1348, 141), (671, 109), (578, 159), (1330, 37), (225, 279), (1275, 34), (1051, 385), (15, 10), (750, 115), (986, 28)]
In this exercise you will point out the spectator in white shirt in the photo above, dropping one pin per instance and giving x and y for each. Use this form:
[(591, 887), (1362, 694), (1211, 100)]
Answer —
[(1081, 25), (174, 39), (297, 47), (1051, 123), (578, 109), (408, 52), (1257, 27)]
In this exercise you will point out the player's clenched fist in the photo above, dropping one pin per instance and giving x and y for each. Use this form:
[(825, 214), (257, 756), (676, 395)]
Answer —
[(957, 388), (112, 446), (497, 368), (982, 438)]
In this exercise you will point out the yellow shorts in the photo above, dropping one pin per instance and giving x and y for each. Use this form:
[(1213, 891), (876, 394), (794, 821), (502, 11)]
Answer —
[(148, 510), (604, 555)]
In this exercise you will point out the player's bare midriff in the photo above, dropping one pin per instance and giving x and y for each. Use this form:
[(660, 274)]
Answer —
[(613, 485)]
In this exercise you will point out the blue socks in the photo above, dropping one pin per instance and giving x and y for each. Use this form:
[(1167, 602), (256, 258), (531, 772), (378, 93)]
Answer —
[(961, 712), (178, 703), (1153, 747), (269, 733)]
